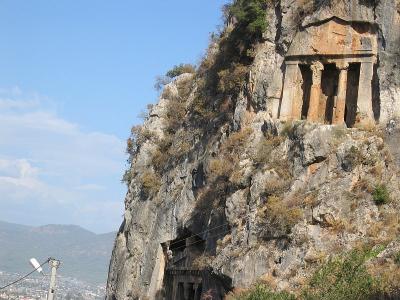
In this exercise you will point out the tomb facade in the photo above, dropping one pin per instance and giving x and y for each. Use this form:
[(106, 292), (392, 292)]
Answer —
[(184, 279), (329, 74)]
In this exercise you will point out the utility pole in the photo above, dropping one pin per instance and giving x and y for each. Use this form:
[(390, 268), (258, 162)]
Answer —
[(54, 264)]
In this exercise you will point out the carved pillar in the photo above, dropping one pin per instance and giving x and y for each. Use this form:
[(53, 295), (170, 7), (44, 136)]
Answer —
[(174, 288), (340, 106), (186, 290), (290, 90), (315, 94), (364, 102), (196, 291)]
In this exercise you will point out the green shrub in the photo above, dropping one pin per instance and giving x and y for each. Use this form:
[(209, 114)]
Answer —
[(381, 194), (262, 292), (180, 69), (343, 278), (397, 258), (251, 18)]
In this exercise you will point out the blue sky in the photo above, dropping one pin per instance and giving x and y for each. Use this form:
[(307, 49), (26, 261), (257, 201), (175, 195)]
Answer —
[(74, 76)]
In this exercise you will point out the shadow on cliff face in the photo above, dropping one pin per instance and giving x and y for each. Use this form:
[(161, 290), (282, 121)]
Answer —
[(188, 274)]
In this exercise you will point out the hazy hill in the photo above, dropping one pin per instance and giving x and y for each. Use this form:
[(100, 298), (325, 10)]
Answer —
[(84, 254)]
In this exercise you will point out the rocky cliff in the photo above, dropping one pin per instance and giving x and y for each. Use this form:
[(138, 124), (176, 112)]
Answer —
[(222, 194)]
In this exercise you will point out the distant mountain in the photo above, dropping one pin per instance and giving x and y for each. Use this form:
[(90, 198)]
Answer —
[(84, 254)]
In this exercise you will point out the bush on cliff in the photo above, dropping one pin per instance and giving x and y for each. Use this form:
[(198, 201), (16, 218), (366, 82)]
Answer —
[(381, 194), (250, 16), (180, 69), (261, 292), (341, 278)]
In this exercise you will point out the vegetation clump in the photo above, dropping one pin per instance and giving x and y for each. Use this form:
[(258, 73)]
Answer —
[(176, 71), (340, 278), (224, 71), (381, 194), (343, 278), (397, 258), (180, 69), (250, 21), (150, 183), (279, 217), (262, 292)]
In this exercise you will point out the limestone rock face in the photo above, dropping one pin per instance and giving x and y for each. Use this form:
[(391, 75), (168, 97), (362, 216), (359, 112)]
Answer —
[(255, 198)]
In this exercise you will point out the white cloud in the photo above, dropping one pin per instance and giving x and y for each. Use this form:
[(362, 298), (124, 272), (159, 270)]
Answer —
[(48, 163), (19, 173), (39, 120)]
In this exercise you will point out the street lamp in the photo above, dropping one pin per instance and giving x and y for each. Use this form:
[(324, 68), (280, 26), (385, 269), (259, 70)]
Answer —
[(54, 264)]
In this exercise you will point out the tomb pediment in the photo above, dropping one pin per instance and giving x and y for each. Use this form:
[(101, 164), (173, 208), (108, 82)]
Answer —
[(335, 37)]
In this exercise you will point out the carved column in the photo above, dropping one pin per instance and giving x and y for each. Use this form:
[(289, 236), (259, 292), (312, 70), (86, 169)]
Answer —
[(174, 288), (290, 90), (186, 289), (340, 106), (315, 94), (364, 102), (196, 292)]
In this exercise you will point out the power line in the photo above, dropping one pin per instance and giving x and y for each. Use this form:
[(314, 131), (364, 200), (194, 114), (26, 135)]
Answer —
[(299, 197), (201, 241), (199, 233), (23, 277)]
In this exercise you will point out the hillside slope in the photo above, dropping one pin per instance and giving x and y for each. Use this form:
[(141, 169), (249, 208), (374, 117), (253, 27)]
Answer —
[(84, 255)]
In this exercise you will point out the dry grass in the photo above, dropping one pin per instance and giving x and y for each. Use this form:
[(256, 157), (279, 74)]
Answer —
[(220, 168), (237, 141), (277, 213), (265, 148), (365, 125), (150, 182), (176, 111), (232, 80), (385, 230)]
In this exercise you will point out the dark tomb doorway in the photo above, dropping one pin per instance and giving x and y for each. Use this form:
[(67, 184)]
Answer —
[(353, 79), (306, 74), (329, 86)]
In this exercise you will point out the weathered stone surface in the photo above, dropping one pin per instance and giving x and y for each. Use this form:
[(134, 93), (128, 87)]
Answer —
[(327, 172)]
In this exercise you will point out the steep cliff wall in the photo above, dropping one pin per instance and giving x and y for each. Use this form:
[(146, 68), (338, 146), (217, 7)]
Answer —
[(222, 190)]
